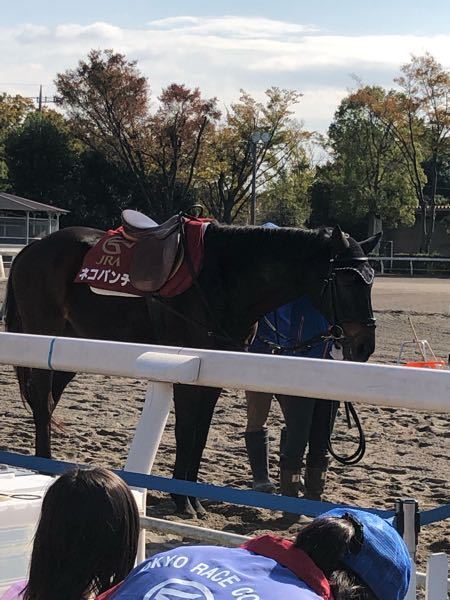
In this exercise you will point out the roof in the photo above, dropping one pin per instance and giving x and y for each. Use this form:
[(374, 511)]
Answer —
[(11, 202)]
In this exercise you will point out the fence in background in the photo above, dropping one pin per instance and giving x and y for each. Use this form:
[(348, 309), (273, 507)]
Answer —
[(411, 263)]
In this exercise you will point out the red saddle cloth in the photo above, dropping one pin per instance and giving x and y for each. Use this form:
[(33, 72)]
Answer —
[(106, 265)]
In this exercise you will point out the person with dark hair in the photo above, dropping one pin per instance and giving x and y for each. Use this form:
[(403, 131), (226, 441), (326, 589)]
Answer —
[(86, 539), (345, 554)]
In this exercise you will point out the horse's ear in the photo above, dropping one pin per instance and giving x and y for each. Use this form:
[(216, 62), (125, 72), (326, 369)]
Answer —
[(339, 241), (371, 243)]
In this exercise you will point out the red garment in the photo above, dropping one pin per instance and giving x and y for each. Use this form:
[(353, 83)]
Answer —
[(286, 554), (108, 593)]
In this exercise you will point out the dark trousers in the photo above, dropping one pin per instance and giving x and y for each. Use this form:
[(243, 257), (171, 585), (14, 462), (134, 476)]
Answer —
[(309, 423)]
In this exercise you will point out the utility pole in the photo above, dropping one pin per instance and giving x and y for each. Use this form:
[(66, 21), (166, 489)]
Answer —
[(40, 99)]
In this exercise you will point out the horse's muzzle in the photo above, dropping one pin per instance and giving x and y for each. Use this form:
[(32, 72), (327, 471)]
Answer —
[(359, 343)]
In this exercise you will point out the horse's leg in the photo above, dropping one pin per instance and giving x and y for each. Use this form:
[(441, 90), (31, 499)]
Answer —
[(61, 379), (41, 388), (36, 390), (203, 422), (194, 407)]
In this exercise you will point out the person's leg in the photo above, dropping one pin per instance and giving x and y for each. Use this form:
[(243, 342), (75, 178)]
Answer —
[(297, 413), (258, 408), (317, 460), (257, 439)]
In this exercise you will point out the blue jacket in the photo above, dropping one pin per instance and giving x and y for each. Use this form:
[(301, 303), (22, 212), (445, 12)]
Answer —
[(290, 325), (215, 573)]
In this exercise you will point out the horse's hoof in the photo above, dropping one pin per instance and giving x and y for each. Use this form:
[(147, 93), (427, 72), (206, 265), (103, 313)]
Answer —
[(199, 508), (185, 509)]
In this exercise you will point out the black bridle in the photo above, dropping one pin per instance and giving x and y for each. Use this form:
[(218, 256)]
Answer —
[(330, 291), (333, 306)]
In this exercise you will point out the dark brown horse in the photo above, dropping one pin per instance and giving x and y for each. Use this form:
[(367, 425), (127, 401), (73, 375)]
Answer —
[(246, 273)]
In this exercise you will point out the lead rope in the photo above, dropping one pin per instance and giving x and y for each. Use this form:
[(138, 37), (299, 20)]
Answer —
[(350, 410)]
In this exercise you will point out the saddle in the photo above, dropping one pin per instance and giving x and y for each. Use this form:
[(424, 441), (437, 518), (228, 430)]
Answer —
[(159, 251)]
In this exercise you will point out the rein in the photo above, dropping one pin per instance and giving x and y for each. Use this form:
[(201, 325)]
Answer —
[(335, 333)]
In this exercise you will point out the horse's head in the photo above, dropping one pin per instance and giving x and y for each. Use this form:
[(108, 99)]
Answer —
[(345, 293)]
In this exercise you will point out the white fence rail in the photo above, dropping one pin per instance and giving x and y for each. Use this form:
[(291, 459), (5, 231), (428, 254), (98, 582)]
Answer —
[(411, 260), (381, 385)]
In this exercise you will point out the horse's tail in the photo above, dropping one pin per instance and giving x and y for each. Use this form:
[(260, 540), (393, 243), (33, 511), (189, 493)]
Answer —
[(13, 324)]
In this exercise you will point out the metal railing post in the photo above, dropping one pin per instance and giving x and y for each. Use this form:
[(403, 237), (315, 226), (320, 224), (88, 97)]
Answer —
[(407, 522), (436, 587), (147, 438)]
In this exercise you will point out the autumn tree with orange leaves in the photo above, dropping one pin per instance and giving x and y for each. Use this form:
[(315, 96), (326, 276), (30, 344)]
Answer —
[(106, 99)]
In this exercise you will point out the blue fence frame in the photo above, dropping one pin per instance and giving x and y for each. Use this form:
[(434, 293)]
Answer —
[(310, 508)]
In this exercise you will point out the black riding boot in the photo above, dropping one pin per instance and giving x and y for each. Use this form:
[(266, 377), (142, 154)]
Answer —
[(291, 482), (315, 476), (257, 444)]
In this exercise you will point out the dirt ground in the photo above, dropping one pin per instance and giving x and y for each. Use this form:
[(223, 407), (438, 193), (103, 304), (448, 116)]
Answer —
[(407, 452)]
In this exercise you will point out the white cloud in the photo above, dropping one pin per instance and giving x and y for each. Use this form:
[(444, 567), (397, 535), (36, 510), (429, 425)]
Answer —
[(220, 55), (233, 26), (93, 32)]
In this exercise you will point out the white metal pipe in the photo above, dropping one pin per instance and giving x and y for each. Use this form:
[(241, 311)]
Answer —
[(437, 573), (150, 428), (382, 385), (147, 438), (2, 268), (201, 534), (409, 507)]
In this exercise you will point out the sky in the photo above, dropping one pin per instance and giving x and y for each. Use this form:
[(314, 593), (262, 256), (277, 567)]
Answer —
[(317, 48)]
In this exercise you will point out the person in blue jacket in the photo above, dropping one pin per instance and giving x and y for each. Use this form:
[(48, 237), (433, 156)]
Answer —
[(308, 421), (345, 554)]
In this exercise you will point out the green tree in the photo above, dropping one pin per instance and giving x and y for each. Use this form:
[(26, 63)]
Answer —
[(286, 200), (101, 192), (13, 110), (367, 174), (426, 85), (418, 118), (227, 171), (41, 157)]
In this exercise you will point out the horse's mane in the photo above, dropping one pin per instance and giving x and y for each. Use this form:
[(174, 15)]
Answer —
[(312, 241)]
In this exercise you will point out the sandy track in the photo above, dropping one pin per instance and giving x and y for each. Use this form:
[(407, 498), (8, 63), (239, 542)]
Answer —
[(408, 452)]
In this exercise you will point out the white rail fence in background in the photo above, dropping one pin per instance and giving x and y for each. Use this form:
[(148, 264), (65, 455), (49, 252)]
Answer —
[(411, 260), (381, 385)]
